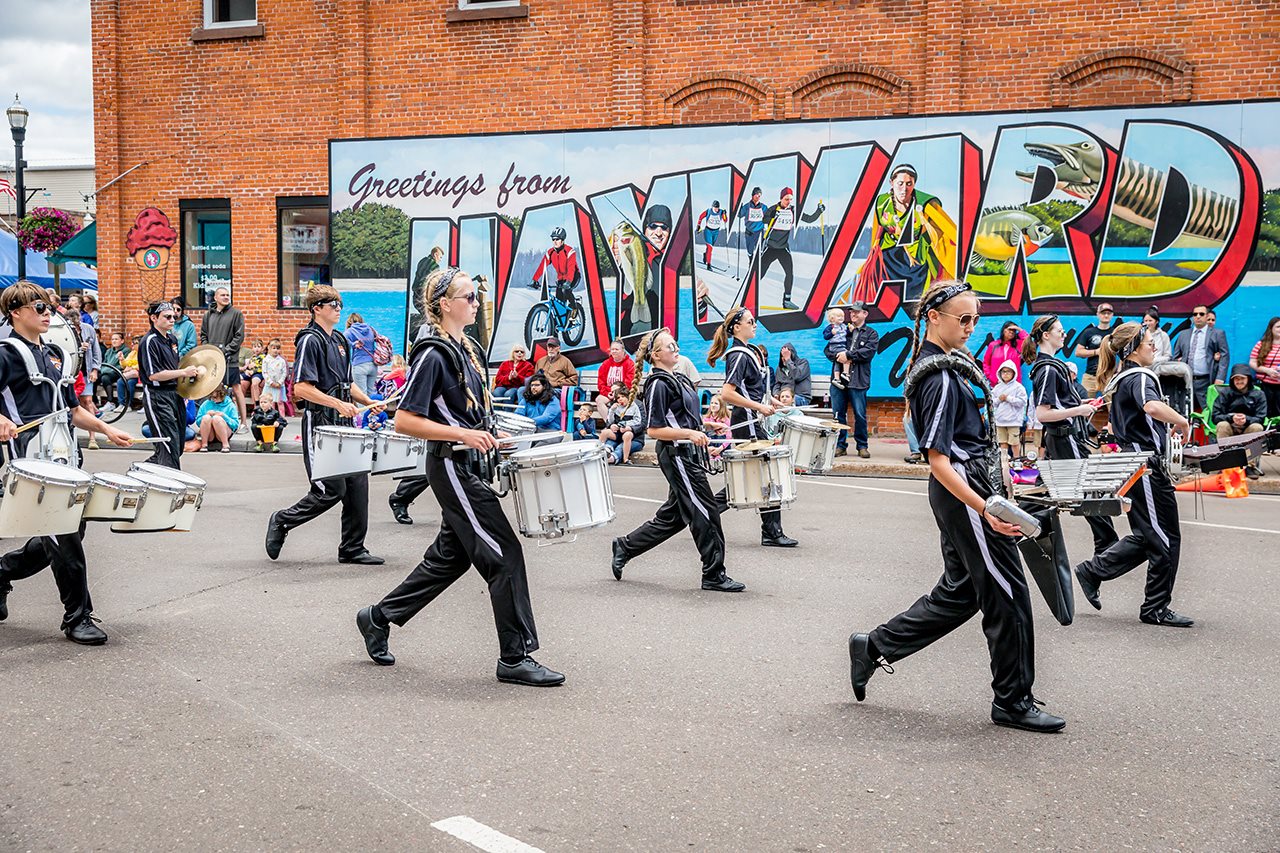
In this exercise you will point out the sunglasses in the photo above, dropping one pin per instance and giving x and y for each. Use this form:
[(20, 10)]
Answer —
[(336, 303), (1199, 313), (470, 297), (965, 319), (40, 308), (168, 316), (657, 226)]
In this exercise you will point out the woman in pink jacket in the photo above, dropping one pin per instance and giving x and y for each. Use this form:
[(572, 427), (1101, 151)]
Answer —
[(1007, 347)]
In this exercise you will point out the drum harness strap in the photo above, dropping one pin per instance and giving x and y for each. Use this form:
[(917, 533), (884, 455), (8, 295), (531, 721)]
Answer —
[(1166, 461), (342, 391), (691, 453), (969, 371), (1071, 427), (484, 464), (61, 423)]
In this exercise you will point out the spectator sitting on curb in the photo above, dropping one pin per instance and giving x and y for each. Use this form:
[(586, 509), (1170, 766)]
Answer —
[(618, 367), (540, 403), (585, 428), (218, 418), (266, 415), (1240, 408), (512, 375), (624, 427), (716, 424)]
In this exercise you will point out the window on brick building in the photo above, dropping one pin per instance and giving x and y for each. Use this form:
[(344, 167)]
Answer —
[(230, 13), (302, 242), (206, 248), (487, 4)]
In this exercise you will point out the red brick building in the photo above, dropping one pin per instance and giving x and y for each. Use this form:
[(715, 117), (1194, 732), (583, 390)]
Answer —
[(223, 108)]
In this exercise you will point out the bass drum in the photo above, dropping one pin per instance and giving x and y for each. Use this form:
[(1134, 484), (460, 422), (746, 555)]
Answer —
[(64, 338)]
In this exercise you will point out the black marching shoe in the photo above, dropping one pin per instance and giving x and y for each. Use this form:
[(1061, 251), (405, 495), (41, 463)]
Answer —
[(1089, 588), (1169, 619), (722, 583), (529, 672), (5, 589), (400, 512), (375, 638), (861, 665), (85, 632), (619, 560), (275, 535), (364, 558), (1029, 718), (775, 538)]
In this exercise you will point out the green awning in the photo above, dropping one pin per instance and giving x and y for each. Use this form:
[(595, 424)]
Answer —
[(82, 248)]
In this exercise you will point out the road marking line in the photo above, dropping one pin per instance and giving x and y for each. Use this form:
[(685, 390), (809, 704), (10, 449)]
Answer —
[(634, 498), (484, 837), (865, 488), (1232, 527)]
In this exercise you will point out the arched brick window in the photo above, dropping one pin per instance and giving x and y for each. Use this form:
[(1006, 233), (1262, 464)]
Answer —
[(718, 98), (849, 90), (1121, 76)]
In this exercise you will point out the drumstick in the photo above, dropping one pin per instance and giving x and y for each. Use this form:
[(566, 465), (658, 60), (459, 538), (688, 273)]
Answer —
[(39, 421), (163, 439), (515, 439), (389, 398)]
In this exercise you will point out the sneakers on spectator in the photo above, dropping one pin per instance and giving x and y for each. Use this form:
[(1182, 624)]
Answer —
[(93, 444)]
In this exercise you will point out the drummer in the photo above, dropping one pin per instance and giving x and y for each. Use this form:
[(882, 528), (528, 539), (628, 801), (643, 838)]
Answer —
[(746, 388), (323, 389), (158, 374), (446, 402), (674, 414), (1059, 408), (26, 308)]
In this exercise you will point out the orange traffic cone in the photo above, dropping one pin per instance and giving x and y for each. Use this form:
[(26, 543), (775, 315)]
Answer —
[(1237, 485), (1202, 484)]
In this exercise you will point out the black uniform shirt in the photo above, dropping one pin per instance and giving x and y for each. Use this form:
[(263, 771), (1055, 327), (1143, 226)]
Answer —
[(24, 400), (1130, 423), (1049, 387), (944, 413), (323, 360), (665, 408), (157, 352), (434, 392)]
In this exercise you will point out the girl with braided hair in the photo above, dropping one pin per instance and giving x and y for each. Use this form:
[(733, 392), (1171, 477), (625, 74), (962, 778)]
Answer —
[(1138, 417), (674, 414), (446, 402), (1058, 406), (747, 389), (981, 567)]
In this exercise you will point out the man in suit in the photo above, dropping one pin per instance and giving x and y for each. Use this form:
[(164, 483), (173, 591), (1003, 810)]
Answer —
[(1204, 349)]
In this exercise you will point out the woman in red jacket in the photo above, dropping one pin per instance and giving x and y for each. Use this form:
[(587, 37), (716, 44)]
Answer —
[(1007, 346), (618, 367), (512, 374)]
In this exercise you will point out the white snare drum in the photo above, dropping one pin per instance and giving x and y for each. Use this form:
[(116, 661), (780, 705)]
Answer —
[(393, 452), (759, 479), (560, 488), (338, 451), (116, 497), (192, 499), (513, 424), (43, 498), (165, 499), (812, 442)]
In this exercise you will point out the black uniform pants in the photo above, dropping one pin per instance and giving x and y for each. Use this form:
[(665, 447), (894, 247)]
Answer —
[(352, 492), (981, 572), (1066, 447), (689, 504), (474, 531), (783, 257), (166, 414), (65, 554), (409, 490), (1156, 538)]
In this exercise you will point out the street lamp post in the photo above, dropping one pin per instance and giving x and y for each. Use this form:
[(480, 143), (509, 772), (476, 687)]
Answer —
[(18, 127)]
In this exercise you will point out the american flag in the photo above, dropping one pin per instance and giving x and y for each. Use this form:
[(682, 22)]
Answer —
[(6, 187)]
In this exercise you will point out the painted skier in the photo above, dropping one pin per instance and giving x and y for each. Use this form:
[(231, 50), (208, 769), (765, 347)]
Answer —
[(780, 220), (710, 222)]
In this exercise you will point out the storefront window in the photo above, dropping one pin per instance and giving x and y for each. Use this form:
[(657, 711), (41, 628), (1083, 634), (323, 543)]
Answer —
[(206, 249), (303, 229)]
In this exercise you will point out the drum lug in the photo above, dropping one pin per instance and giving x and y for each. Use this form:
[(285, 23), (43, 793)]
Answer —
[(553, 524)]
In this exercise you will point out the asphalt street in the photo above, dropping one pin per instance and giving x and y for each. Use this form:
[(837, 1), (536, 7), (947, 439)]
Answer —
[(234, 707)]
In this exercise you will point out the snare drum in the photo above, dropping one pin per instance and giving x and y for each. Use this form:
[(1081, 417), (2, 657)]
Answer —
[(759, 479), (165, 499), (43, 498), (116, 497), (393, 452), (338, 451), (192, 499), (560, 488), (812, 442), (513, 424)]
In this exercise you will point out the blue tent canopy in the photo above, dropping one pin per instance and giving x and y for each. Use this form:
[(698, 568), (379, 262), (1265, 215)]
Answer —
[(76, 277)]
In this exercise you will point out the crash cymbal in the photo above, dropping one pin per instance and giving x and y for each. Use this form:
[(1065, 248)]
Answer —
[(213, 367)]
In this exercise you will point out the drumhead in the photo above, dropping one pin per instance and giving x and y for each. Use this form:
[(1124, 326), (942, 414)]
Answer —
[(513, 423), (122, 482), (387, 435), (557, 454), (342, 430), (53, 472), (760, 453), (167, 473), (158, 483), (804, 423)]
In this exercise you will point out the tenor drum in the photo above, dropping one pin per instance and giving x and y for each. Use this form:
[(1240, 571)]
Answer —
[(115, 497), (393, 452), (338, 451), (812, 442), (62, 336), (560, 488), (165, 499), (192, 499), (764, 478), (43, 498), (513, 424)]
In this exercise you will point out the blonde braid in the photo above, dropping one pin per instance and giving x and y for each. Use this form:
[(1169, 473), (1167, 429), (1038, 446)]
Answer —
[(922, 315), (475, 362), (643, 353)]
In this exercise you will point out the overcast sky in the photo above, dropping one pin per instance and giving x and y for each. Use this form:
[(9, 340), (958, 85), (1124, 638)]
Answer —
[(45, 58)]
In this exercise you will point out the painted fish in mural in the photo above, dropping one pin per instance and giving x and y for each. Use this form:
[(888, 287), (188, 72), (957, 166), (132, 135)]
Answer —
[(628, 247), (1139, 189), (1001, 232)]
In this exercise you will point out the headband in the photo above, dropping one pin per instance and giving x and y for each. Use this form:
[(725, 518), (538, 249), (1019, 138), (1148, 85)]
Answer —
[(1132, 346), (442, 286), (160, 308), (1044, 327), (733, 318), (945, 295)]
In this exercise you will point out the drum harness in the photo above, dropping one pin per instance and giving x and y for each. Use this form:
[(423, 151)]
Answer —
[(1170, 462), (1072, 428), (687, 450), (342, 391), (54, 434)]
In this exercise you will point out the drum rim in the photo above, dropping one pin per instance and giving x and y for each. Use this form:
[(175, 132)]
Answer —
[(570, 453), (132, 484), (24, 465), (396, 436), (164, 484), (778, 450), (331, 429), (186, 478)]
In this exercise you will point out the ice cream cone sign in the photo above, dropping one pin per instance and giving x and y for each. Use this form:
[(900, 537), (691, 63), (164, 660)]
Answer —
[(149, 243)]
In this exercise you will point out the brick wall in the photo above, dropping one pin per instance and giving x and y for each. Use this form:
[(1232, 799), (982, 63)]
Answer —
[(249, 118)]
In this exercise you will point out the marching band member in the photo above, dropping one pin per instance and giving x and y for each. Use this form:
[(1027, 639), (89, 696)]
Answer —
[(28, 397), (1060, 409), (674, 414), (324, 390), (746, 388), (158, 374), (981, 567), (1138, 414), (446, 402)]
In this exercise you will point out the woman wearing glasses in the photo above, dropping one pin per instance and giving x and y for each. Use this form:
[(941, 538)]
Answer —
[(158, 374), (746, 388), (323, 389), (446, 402), (981, 567)]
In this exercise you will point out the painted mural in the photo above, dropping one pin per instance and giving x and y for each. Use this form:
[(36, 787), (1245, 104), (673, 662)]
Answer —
[(1056, 212)]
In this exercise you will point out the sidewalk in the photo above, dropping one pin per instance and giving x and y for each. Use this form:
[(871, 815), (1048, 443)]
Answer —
[(290, 441)]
